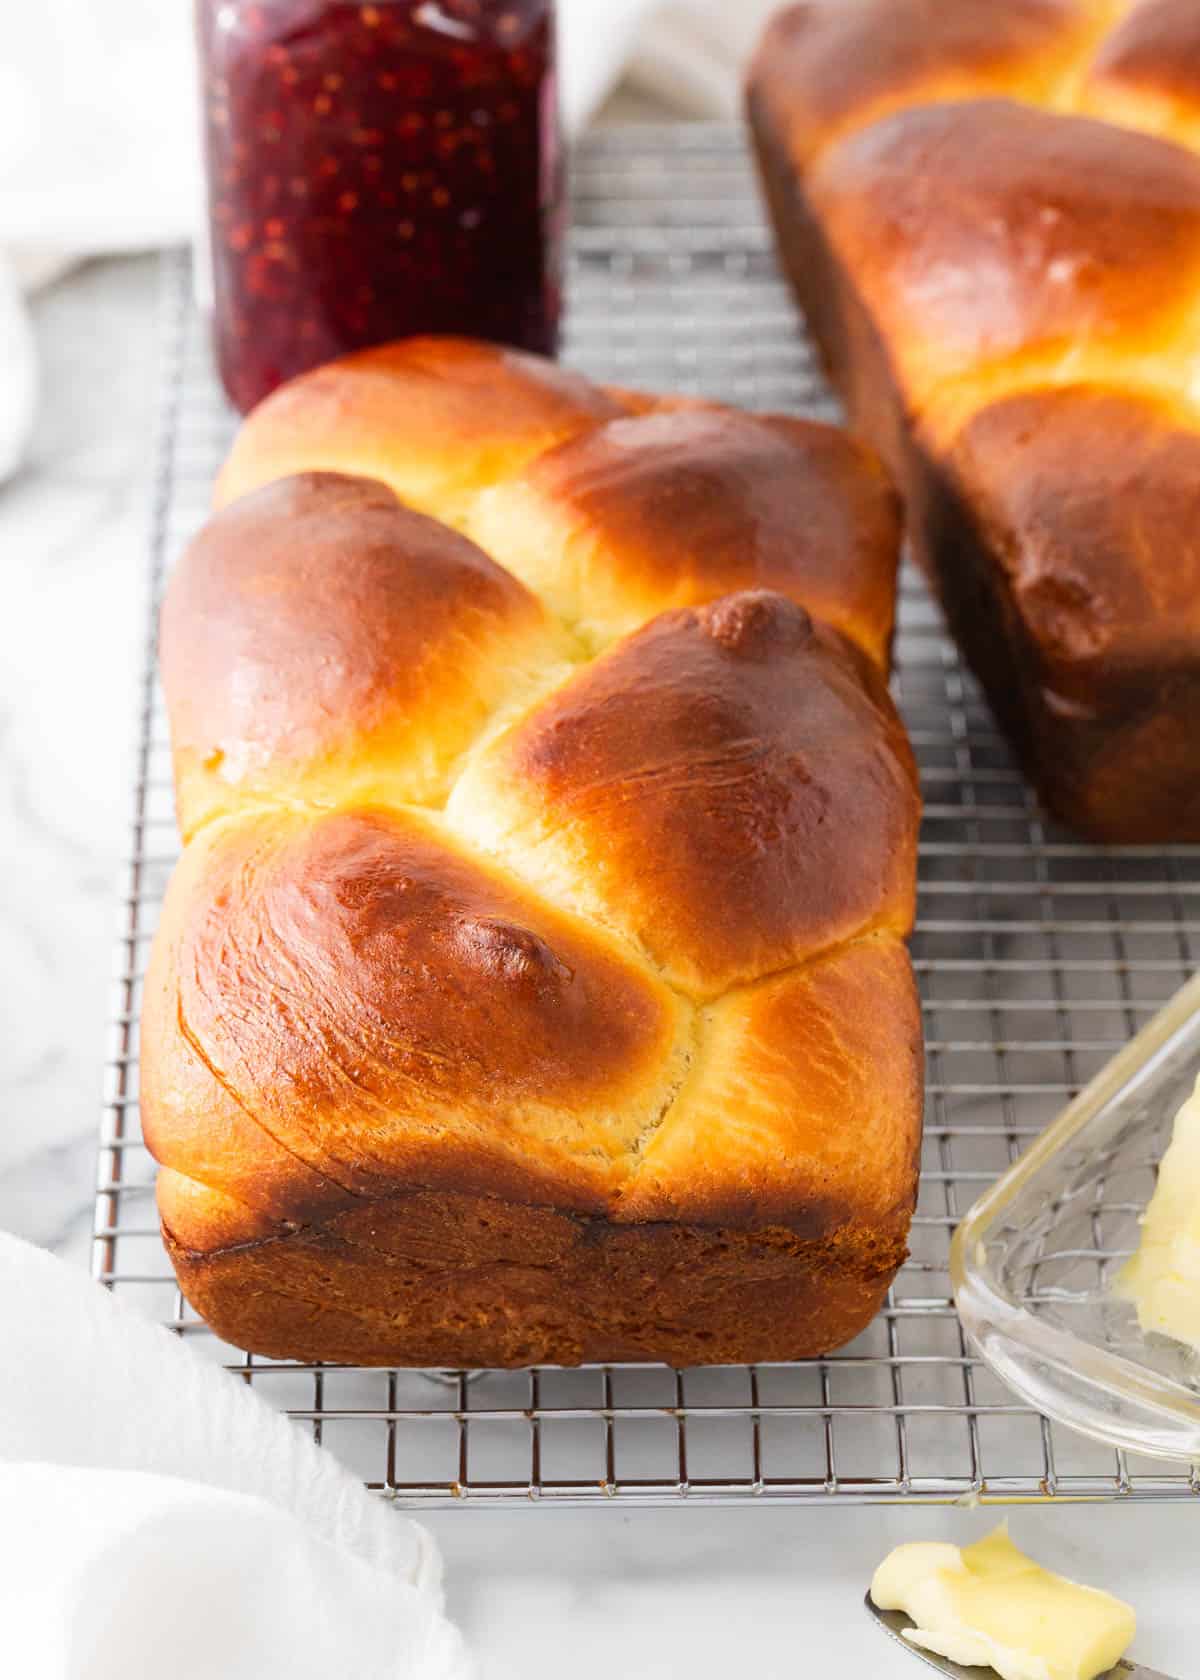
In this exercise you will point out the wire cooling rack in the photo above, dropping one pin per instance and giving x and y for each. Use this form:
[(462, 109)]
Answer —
[(1037, 956)]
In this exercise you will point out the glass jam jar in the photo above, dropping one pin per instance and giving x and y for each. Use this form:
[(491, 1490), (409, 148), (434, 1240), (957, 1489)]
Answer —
[(377, 170)]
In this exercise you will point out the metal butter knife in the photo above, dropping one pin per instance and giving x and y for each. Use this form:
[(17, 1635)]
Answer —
[(895, 1622)]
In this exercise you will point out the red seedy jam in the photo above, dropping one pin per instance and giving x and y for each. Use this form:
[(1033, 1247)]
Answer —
[(377, 170)]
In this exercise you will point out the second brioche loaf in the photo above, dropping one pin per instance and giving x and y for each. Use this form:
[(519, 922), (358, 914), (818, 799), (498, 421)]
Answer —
[(1002, 270), (532, 986)]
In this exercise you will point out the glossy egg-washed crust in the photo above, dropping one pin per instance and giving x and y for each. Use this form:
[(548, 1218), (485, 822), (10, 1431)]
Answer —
[(991, 215), (533, 986)]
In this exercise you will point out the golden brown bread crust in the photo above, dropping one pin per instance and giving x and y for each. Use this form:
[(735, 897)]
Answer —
[(729, 788), (824, 67), (320, 641), (1102, 637), (435, 1275), (434, 418), (995, 244), (798, 1109), (979, 274), (674, 508), (790, 1104), (381, 1002), (1147, 72), (615, 1054), (767, 1229)]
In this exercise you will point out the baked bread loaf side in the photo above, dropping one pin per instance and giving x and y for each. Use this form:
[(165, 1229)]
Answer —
[(532, 987), (991, 215)]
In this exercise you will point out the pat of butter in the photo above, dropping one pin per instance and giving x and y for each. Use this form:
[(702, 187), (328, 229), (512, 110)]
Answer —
[(989, 1604), (1163, 1278)]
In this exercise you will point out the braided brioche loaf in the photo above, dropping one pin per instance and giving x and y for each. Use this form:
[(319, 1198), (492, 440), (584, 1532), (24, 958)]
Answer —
[(532, 986), (1004, 276)]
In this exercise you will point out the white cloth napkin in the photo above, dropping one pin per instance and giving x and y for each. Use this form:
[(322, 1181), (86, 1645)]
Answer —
[(690, 54), (158, 1518), (99, 140)]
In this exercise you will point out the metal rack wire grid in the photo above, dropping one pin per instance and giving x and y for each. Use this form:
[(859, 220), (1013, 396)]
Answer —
[(1037, 956)]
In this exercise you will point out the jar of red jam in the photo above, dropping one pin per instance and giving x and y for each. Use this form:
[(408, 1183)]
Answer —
[(377, 170)]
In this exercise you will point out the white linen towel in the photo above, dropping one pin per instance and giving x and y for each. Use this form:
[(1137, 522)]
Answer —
[(99, 146), (158, 1518)]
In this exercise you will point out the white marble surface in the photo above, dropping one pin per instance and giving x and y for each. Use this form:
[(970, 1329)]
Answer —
[(72, 551), (772, 1592)]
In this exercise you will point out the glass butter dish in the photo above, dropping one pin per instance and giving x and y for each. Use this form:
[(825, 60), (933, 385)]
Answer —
[(1035, 1262)]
